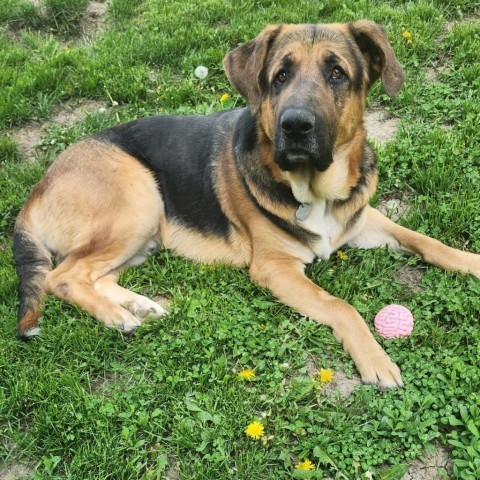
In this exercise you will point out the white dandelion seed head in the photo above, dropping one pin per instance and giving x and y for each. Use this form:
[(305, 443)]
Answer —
[(201, 72)]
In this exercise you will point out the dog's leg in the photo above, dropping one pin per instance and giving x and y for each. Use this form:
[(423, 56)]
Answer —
[(286, 280), (141, 307), (73, 280), (381, 231)]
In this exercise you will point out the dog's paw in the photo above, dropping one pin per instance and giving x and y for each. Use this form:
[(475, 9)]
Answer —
[(476, 266), (123, 320), (381, 371), (468, 263), (143, 307)]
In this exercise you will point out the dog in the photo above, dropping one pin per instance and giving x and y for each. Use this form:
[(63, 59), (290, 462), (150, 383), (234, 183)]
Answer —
[(273, 186)]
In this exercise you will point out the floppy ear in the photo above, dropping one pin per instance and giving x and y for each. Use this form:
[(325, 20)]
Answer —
[(372, 40), (244, 66)]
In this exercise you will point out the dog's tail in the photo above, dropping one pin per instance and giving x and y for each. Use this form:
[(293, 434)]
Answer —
[(32, 262)]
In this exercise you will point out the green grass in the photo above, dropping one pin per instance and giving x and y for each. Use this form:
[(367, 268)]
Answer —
[(82, 402)]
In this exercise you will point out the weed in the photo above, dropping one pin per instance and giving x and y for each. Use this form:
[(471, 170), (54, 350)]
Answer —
[(64, 15)]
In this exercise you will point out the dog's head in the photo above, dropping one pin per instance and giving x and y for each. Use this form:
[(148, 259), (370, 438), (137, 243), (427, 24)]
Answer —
[(308, 83)]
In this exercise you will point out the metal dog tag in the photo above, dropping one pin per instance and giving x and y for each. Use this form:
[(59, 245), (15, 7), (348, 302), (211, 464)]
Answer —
[(303, 211)]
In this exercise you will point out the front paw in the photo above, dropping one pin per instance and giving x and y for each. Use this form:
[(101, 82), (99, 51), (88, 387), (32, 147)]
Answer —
[(476, 266), (378, 369)]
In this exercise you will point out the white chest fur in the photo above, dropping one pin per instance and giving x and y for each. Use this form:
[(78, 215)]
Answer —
[(321, 222)]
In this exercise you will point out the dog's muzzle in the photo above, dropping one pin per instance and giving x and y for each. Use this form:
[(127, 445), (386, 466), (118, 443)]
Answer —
[(300, 139), (297, 124)]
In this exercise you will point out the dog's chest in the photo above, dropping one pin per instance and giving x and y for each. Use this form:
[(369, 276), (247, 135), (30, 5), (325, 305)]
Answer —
[(317, 218)]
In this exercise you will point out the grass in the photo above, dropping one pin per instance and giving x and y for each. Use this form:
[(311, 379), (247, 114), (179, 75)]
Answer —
[(83, 402)]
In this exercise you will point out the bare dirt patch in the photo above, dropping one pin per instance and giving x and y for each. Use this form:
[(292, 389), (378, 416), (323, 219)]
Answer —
[(393, 208), (172, 472), (432, 467), (28, 138), (70, 114), (103, 385), (380, 128), (30, 135), (433, 73), (410, 276), (341, 386), (15, 471), (93, 20)]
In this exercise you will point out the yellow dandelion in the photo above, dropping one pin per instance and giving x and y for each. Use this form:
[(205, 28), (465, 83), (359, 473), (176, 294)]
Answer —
[(247, 374), (255, 430), (406, 34), (224, 97), (409, 42), (325, 375), (341, 255), (305, 465)]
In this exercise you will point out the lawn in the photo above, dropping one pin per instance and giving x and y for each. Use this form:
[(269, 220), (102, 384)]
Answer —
[(83, 402)]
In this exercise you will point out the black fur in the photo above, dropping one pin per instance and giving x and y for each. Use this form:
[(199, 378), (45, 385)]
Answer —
[(368, 169), (357, 80), (32, 266), (180, 152), (354, 218)]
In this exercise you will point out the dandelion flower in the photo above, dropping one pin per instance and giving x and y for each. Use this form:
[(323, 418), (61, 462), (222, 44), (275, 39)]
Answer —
[(409, 42), (201, 72), (247, 374), (325, 375), (406, 34), (306, 465), (224, 97), (255, 430), (341, 255)]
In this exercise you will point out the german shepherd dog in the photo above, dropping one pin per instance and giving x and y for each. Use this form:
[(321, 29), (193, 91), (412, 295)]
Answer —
[(273, 186)]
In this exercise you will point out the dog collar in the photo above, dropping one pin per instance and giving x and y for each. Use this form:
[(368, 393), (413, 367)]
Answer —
[(303, 212)]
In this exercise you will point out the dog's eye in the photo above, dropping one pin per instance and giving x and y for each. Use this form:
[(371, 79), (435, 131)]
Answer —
[(281, 77), (337, 73)]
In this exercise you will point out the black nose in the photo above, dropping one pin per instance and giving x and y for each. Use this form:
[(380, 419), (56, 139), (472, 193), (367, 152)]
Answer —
[(297, 123)]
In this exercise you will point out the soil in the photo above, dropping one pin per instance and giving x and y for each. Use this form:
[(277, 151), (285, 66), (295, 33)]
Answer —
[(380, 128), (410, 276), (393, 208), (93, 20), (341, 386), (431, 467), (15, 471), (29, 136)]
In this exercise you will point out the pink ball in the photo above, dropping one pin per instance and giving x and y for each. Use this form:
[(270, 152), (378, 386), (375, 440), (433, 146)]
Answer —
[(394, 321)]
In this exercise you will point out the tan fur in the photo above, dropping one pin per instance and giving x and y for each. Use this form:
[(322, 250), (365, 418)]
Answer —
[(117, 211), (115, 187), (207, 249), (381, 231)]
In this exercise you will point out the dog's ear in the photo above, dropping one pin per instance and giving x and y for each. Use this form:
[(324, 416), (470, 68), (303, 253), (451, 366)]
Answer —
[(244, 66), (372, 40)]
